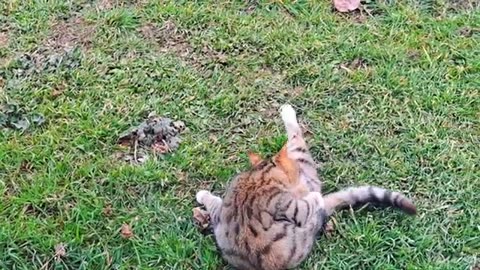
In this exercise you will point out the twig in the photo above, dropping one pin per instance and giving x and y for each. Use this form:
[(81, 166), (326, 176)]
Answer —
[(135, 144), (167, 147)]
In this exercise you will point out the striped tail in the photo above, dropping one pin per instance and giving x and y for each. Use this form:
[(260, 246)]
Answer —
[(354, 196)]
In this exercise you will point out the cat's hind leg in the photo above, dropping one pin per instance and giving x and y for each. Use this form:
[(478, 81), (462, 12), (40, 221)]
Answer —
[(289, 118), (297, 149)]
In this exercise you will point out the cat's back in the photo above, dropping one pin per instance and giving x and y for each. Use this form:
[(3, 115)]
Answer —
[(248, 234)]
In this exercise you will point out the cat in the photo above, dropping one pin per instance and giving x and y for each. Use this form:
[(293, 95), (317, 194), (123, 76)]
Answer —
[(271, 214)]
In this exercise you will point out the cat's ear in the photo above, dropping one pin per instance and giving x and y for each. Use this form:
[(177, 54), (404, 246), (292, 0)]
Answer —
[(254, 158), (288, 165)]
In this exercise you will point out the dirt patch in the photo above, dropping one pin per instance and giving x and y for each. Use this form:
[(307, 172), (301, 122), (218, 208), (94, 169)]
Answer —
[(60, 251), (10, 189), (456, 5), (26, 166), (297, 91), (169, 39), (107, 210), (252, 5), (413, 55), (357, 63), (43, 209), (359, 16), (468, 31), (105, 4), (44, 60), (66, 35), (61, 49), (109, 4), (5, 62), (353, 65), (3, 39), (156, 134), (442, 8), (367, 8)]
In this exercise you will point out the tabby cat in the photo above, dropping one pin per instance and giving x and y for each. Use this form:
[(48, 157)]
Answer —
[(271, 214)]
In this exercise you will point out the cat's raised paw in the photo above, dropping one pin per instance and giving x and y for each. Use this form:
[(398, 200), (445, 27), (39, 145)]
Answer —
[(201, 195)]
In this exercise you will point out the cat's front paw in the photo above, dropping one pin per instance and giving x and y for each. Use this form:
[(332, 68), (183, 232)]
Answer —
[(288, 114), (201, 195)]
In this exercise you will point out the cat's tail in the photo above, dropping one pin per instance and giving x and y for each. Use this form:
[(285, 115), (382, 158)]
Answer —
[(354, 196)]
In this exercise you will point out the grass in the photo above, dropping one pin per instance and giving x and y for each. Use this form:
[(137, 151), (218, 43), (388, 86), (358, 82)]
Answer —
[(391, 97)]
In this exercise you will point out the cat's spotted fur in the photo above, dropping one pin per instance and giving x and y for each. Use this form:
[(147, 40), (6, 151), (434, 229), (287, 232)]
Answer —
[(271, 214)]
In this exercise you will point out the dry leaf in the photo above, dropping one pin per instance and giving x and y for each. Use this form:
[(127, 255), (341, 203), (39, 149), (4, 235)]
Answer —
[(160, 147), (329, 228), (201, 217), (213, 138), (126, 231), (346, 5), (60, 251), (56, 92)]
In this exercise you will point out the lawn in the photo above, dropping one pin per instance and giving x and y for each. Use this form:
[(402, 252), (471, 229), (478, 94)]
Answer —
[(389, 96)]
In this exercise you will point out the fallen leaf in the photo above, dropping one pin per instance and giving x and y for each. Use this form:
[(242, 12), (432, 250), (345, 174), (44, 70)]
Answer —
[(126, 231), (329, 228), (56, 93), (213, 138), (346, 5), (201, 218), (60, 251), (161, 148)]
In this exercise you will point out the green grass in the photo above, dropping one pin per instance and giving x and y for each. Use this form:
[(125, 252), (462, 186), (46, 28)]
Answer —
[(404, 116)]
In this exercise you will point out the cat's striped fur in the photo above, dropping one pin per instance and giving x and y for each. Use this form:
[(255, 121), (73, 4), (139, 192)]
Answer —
[(271, 214)]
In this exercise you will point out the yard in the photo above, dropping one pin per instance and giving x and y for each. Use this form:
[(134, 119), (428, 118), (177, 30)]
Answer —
[(389, 96)]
